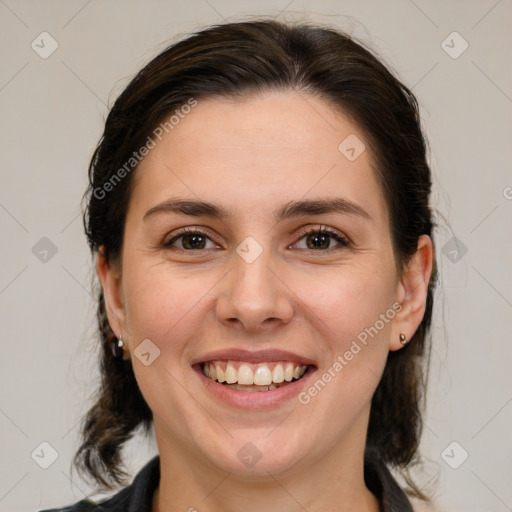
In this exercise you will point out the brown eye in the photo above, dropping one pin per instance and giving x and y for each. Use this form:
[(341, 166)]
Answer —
[(320, 239), (192, 240)]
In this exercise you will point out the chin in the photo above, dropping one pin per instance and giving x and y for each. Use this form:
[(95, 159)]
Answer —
[(255, 457)]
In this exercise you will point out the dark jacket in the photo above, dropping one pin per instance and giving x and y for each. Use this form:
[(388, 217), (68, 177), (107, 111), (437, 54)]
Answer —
[(137, 497)]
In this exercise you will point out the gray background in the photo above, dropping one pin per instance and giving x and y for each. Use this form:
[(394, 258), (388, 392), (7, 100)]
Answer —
[(52, 113)]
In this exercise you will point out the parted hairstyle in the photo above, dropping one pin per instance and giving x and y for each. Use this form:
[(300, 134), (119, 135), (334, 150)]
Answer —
[(234, 60)]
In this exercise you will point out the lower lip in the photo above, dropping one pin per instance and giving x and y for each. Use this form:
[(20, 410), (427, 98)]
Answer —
[(254, 399)]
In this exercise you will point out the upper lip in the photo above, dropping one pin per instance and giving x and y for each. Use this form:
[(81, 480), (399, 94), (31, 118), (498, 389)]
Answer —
[(255, 357)]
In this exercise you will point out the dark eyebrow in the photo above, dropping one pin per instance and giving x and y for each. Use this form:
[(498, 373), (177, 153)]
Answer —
[(321, 206), (290, 210)]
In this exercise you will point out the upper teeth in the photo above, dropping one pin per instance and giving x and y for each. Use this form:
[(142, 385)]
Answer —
[(262, 374)]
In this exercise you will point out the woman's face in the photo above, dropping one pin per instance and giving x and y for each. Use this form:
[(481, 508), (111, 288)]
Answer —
[(252, 286)]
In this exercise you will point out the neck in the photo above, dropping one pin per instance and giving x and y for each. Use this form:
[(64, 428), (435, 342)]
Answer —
[(334, 481)]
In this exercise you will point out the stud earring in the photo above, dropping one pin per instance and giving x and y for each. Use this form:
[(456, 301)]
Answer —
[(403, 339), (117, 349)]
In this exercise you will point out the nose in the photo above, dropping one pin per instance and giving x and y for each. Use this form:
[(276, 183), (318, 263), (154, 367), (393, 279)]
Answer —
[(254, 297)]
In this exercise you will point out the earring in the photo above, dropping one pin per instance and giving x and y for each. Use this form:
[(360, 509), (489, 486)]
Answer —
[(117, 349), (403, 339)]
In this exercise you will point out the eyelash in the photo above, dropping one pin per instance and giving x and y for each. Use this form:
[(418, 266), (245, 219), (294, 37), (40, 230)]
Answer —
[(342, 240)]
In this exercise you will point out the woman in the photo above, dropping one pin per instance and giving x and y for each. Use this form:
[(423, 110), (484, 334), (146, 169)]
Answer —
[(259, 209)]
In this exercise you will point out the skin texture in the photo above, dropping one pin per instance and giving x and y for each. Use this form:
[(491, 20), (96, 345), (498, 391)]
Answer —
[(253, 155)]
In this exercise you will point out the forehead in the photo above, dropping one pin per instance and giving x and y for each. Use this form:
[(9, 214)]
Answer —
[(266, 148)]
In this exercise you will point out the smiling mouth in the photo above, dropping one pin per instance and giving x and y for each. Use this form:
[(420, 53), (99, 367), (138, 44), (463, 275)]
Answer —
[(244, 376)]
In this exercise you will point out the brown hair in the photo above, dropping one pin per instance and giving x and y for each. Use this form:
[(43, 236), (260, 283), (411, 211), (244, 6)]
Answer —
[(231, 60)]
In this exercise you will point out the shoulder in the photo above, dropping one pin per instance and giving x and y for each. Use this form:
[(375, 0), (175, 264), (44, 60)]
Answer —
[(134, 498), (81, 506), (117, 503)]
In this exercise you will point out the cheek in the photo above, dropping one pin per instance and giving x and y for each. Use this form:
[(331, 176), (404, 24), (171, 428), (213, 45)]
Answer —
[(162, 306), (347, 311), (347, 300)]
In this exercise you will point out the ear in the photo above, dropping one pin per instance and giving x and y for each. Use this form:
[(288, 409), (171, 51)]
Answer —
[(110, 278), (412, 292)]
